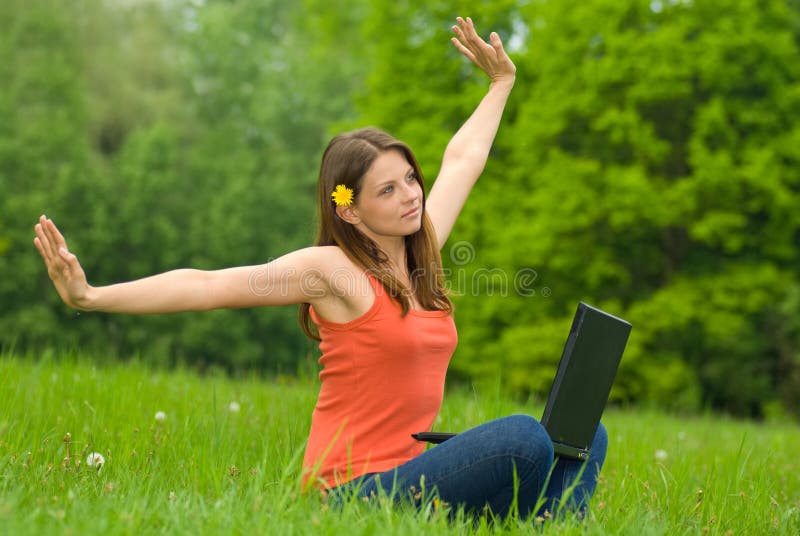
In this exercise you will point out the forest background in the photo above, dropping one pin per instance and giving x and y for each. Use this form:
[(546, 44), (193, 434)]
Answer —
[(648, 163)]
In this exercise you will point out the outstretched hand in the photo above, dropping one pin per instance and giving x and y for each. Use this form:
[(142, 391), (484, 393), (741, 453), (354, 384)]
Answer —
[(490, 57), (62, 266)]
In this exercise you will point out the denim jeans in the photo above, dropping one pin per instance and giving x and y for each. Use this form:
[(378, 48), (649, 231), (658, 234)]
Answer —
[(496, 465)]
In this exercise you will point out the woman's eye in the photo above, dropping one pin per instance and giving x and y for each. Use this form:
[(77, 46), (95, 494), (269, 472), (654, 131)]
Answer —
[(387, 189)]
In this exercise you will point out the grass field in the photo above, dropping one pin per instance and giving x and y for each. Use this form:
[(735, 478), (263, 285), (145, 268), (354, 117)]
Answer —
[(225, 459)]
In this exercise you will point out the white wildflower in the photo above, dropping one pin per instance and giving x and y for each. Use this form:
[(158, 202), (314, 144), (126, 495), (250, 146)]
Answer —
[(661, 455), (161, 416), (96, 460), (234, 407)]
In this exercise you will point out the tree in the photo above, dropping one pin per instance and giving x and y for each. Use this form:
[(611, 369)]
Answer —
[(647, 165), (162, 135)]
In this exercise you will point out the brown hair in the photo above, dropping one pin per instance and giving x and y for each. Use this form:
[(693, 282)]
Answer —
[(346, 160)]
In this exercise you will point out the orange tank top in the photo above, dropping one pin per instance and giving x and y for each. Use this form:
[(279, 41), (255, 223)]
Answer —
[(382, 380)]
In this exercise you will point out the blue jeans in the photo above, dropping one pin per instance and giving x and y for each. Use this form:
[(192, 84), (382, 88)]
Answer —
[(497, 465)]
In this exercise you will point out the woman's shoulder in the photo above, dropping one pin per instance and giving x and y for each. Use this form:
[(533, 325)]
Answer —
[(331, 258), (334, 264), (350, 291)]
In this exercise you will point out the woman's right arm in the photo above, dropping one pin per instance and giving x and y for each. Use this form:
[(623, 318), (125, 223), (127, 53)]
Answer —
[(297, 277)]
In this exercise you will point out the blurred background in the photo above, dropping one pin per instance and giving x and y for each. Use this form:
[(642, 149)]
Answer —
[(648, 163)]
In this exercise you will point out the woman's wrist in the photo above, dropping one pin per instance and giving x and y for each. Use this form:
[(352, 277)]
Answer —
[(89, 300), (503, 82)]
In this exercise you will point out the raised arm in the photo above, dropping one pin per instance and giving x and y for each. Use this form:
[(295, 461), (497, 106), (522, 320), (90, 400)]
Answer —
[(297, 277), (468, 150)]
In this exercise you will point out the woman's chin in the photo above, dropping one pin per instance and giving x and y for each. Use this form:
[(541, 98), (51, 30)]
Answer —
[(417, 229)]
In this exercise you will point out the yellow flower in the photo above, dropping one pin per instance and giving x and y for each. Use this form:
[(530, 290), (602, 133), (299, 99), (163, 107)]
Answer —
[(342, 196)]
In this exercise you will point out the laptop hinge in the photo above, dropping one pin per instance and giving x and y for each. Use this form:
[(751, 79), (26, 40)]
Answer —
[(568, 451)]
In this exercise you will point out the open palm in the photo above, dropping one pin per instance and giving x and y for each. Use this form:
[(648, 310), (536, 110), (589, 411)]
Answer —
[(62, 266), (491, 57)]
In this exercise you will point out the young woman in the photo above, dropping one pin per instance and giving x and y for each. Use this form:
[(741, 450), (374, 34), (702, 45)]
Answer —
[(373, 288)]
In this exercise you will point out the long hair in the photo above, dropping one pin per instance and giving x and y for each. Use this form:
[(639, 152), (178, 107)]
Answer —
[(346, 160)]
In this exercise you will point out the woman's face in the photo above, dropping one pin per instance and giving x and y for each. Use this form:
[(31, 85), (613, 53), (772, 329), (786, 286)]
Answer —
[(390, 201)]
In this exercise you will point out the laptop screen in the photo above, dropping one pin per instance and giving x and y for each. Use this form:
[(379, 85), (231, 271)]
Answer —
[(584, 378)]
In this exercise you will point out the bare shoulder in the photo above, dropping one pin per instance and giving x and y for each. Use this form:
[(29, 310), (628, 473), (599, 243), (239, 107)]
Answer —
[(348, 292), (326, 269), (330, 260), (342, 275), (330, 255)]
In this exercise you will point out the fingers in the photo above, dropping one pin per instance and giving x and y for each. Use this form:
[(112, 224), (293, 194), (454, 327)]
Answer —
[(490, 57), (56, 238), (460, 29), (69, 258), (470, 44), (40, 248), (51, 245), (50, 238), (41, 241), (465, 44), (464, 50), (465, 31), (497, 44), (468, 29)]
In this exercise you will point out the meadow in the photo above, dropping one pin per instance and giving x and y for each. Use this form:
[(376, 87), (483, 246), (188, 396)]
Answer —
[(185, 453)]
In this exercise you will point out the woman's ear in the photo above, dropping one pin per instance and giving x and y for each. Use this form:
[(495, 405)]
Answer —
[(348, 214)]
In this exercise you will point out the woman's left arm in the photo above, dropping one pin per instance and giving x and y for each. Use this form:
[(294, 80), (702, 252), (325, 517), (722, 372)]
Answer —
[(468, 150)]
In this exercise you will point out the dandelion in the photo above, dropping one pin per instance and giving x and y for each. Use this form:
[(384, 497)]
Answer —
[(661, 455), (234, 407), (342, 195), (161, 416), (96, 460)]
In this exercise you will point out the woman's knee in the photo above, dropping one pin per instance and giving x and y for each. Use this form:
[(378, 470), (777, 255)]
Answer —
[(525, 436), (597, 454), (600, 440)]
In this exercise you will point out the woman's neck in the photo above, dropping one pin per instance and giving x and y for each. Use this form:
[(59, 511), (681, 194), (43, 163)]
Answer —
[(397, 255)]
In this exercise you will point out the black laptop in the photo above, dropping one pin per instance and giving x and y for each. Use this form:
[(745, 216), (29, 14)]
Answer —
[(582, 384)]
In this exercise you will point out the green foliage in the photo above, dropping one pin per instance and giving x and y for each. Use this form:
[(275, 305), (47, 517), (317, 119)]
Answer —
[(672, 145), (648, 164), (43, 153), (161, 136)]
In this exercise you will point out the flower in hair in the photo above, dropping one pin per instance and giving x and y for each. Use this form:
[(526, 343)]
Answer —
[(342, 196)]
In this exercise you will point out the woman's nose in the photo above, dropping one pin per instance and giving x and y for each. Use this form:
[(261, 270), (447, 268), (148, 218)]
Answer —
[(412, 191)]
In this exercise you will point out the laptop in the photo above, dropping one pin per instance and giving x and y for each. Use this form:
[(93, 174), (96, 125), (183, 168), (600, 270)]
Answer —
[(582, 383)]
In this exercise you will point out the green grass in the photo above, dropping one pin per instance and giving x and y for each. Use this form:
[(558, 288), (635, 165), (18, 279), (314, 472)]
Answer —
[(207, 469)]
